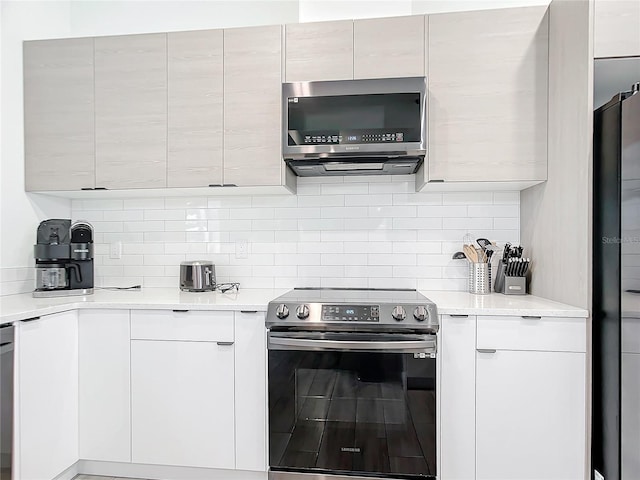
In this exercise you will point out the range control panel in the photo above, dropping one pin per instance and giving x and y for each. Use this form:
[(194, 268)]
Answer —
[(351, 313)]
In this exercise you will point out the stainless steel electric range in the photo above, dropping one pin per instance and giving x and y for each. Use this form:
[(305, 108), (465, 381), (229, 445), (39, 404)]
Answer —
[(352, 384)]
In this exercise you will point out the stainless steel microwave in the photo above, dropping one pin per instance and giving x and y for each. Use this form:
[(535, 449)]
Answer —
[(352, 127)]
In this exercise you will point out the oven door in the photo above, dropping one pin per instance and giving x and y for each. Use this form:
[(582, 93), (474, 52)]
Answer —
[(352, 404)]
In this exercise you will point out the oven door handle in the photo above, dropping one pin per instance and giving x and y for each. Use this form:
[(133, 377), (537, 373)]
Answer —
[(428, 345)]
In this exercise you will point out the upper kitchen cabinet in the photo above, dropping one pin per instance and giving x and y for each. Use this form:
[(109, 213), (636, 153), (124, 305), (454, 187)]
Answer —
[(389, 47), (131, 111), (319, 51), (58, 84), (488, 96), (616, 28), (195, 88), (252, 92)]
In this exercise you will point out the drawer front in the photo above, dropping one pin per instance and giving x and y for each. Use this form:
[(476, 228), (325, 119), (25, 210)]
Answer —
[(551, 334), (197, 326)]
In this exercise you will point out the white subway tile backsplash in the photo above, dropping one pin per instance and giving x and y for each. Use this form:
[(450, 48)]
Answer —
[(467, 198), (166, 215), (442, 211), (506, 198), (367, 200), (344, 188), (321, 201), (494, 211), (368, 231), (122, 215), (143, 204), (185, 202)]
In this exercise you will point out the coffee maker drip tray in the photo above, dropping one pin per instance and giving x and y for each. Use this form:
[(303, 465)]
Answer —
[(61, 293)]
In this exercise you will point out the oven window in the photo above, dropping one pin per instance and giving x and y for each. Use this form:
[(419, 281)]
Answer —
[(354, 118), (362, 413)]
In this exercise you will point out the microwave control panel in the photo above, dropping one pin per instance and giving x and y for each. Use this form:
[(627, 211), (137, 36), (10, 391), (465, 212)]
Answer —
[(354, 138), (351, 313)]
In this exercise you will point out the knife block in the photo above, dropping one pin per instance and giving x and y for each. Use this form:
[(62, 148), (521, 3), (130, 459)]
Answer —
[(515, 286)]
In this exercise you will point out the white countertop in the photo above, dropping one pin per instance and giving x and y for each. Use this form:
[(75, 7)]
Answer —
[(463, 303), (20, 307)]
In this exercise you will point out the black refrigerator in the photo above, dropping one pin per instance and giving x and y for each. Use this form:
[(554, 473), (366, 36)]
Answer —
[(616, 288)]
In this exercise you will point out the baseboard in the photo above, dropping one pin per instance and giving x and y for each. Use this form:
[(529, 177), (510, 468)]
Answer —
[(163, 472)]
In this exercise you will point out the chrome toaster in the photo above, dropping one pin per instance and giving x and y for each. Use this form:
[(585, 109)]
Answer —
[(197, 276)]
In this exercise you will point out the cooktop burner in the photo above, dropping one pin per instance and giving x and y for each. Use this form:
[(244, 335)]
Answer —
[(352, 309)]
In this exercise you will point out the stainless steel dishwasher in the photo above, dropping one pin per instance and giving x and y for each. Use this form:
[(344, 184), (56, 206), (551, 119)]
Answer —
[(6, 400)]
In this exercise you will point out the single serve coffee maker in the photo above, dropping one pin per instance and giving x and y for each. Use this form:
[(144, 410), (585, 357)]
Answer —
[(64, 258)]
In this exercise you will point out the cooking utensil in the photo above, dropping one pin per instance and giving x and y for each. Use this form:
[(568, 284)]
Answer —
[(471, 253), (483, 242), (458, 256)]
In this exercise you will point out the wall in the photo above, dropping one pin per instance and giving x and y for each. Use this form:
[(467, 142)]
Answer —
[(20, 212), (357, 231)]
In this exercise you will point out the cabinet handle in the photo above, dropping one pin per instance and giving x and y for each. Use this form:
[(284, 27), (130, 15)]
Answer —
[(26, 320), (225, 344), (486, 350), (180, 311), (436, 180), (531, 317), (459, 316), (223, 185), (93, 188), (248, 311)]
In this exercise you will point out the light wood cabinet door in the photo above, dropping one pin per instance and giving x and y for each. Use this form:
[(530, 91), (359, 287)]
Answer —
[(58, 114), (530, 415), (319, 51), (488, 95), (457, 397), (389, 47), (104, 385), (195, 88), (252, 110), (47, 373), (182, 403), (131, 111), (616, 29)]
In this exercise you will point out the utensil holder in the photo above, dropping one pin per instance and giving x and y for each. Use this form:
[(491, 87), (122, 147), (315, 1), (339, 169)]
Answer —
[(480, 278)]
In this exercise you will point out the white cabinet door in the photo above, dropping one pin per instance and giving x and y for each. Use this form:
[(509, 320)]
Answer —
[(530, 415), (252, 109), (251, 391), (389, 47), (457, 397), (131, 111), (195, 81), (105, 412), (59, 147), (488, 95), (319, 51), (48, 395), (182, 403)]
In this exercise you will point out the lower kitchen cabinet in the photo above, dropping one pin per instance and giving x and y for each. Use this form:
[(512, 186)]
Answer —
[(530, 415), (47, 397), (182, 403), (457, 397), (104, 389), (251, 391)]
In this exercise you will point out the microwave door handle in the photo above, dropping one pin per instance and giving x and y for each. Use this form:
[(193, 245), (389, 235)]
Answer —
[(408, 346)]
